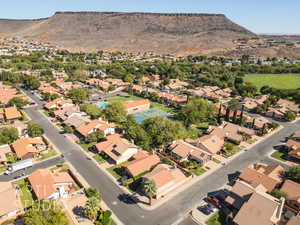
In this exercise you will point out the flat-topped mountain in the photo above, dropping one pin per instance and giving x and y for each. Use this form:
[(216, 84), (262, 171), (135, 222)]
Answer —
[(165, 33)]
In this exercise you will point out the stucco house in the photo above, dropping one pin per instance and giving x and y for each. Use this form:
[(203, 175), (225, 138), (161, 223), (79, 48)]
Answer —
[(50, 185), (117, 148), (166, 179)]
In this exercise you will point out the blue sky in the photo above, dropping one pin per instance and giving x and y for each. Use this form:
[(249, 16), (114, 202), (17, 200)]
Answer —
[(260, 16)]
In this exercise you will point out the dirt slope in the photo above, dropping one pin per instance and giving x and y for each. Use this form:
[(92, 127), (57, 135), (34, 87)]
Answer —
[(179, 34)]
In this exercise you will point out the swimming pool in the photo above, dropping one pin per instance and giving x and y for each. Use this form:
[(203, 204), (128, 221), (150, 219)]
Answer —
[(102, 105), (140, 117)]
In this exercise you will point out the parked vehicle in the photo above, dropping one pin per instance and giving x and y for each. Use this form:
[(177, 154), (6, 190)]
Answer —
[(205, 210), (212, 208), (19, 166), (215, 201)]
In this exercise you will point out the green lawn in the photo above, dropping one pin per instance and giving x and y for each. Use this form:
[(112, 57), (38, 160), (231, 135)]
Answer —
[(162, 107), (50, 153), (11, 157), (198, 171), (193, 133), (133, 98), (86, 146), (216, 219), (2, 169), (99, 158), (232, 150), (251, 141), (281, 81), (117, 170), (25, 193), (216, 160), (60, 167), (123, 98), (280, 155)]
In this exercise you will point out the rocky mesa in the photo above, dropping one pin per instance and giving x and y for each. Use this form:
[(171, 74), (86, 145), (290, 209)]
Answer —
[(163, 33)]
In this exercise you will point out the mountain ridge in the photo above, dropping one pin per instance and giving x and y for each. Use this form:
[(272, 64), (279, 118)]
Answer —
[(163, 33)]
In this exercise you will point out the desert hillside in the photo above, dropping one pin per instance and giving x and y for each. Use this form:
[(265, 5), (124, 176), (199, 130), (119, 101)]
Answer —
[(179, 34)]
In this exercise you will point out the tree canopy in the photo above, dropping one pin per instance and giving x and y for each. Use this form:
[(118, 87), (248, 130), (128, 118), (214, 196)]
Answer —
[(94, 137), (92, 207), (78, 95), (49, 96), (115, 112), (198, 110), (45, 212), (92, 192), (8, 135), (34, 130), (91, 110), (163, 131), (31, 82), (293, 174), (135, 132), (18, 102), (289, 116)]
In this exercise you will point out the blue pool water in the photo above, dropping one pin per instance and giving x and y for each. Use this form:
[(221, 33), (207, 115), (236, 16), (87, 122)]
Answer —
[(140, 117), (102, 105)]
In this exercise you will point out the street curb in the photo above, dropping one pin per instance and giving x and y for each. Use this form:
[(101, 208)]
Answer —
[(194, 219), (295, 121)]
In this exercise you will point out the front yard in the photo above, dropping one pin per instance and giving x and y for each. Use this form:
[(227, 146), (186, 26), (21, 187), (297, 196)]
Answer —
[(279, 154), (25, 193), (216, 219), (100, 159), (87, 146), (198, 171), (251, 141), (47, 154), (3, 168), (117, 170), (230, 149)]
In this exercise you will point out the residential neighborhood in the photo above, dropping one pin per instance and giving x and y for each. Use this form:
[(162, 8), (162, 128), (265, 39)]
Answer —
[(104, 146)]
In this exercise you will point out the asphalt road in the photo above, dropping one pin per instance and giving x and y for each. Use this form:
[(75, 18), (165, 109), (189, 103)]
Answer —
[(188, 221), (44, 164), (175, 208)]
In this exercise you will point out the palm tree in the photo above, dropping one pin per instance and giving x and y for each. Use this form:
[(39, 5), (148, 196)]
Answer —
[(227, 115), (92, 206), (219, 113), (242, 115), (234, 104), (150, 189)]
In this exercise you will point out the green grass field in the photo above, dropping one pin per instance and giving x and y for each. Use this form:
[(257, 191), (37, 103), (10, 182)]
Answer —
[(123, 98), (281, 81), (133, 98)]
